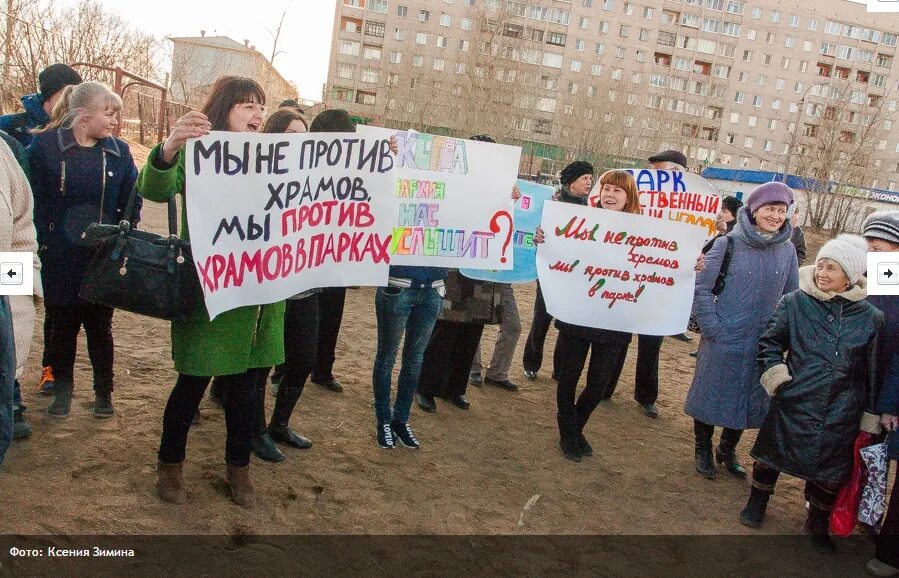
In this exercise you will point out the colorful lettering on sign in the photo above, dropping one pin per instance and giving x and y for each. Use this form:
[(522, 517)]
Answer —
[(432, 153), (415, 189), (431, 241)]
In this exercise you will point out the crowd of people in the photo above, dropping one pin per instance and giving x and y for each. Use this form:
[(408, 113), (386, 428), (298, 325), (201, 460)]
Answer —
[(803, 355)]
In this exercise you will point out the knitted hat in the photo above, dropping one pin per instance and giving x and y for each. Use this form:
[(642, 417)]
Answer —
[(732, 204), (767, 194), (333, 120), (882, 225), (676, 157), (850, 251), (482, 138), (574, 171), (56, 77)]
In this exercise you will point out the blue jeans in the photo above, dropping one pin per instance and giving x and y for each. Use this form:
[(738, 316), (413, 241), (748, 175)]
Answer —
[(413, 311), (7, 376)]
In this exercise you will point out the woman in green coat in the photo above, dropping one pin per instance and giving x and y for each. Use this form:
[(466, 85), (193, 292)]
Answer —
[(239, 345)]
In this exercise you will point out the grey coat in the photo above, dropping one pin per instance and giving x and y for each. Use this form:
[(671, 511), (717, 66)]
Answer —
[(726, 390)]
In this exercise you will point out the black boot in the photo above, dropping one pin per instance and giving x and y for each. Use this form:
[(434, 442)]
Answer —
[(62, 400), (265, 448), (569, 438), (726, 454), (279, 427), (586, 448), (705, 463), (754, 512), (817, 525)]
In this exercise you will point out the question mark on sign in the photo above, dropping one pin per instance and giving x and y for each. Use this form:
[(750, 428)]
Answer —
[(496, 228)]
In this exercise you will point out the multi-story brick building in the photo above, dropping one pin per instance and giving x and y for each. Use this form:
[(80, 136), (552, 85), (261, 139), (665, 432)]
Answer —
[(752, 84)]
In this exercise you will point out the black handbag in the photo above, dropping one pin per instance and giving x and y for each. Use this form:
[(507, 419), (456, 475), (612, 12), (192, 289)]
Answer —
[(142, 272)]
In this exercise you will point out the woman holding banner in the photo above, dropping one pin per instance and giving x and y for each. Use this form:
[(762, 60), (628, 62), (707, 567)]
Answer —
[(240, 345), (762, 268), (618, 192)]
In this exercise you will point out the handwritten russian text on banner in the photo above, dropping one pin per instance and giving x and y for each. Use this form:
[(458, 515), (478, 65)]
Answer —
[(616, 270), (453, 205), (272, 215), (528, 211), (674, 196)]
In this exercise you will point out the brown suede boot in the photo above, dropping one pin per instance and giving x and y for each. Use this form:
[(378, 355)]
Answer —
[(170, 483), (243, 493)]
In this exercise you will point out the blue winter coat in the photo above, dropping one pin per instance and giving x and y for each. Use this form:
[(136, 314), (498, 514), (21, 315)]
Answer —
[(889, 362), (66, 179), (726, 390), (20, 125)]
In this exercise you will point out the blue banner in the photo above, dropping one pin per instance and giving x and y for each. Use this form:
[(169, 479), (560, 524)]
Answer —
[(528, 213)]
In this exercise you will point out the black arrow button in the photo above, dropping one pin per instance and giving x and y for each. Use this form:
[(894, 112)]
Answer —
[(11, 273), (888, 274)]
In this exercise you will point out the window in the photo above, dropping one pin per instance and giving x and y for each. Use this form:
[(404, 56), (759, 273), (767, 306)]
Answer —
[(772, 124), (624, 31), (401, 11), (465, 24), (345, 70), (373, 28), (463, 46), (579, 45), (600, 48), (769, 38), (603, 27), (340, 93), (757, 101), (751, 34), (647, 13), (513, 30), (575, 66), (731, 29), (738, 97), (620, 52), (556, 38), (752, 121), (794, 21), (789, 42), (396, 57), (596, 69), (379, 6), (349, 47), (441, 42), (552, 60), (543, 126), (363, 97), (760, 81), (644, 35), (585, 23), (797, 88), (421, 38), (446, 20), (536, 34), (775, 16), (735, 6), (812, 24), (418, 60), (785, 63), (640, 56), (369, 75), (747, 56), (628, 8), (424, 15), (807, 46), (734, 118), (711, 25), (666, 38), (748, 142), (690, 20), (460, 68), (399, 34), (775, 104)]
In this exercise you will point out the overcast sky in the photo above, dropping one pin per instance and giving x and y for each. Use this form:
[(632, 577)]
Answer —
[(304, 44)]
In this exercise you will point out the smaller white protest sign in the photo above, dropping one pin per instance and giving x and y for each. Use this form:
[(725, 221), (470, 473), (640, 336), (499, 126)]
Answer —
[(674, 196), (452, 201), (619, 271), (272, 215)]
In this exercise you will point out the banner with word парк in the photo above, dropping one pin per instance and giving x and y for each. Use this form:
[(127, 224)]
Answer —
[(614, 270), (528, 211), (674, 196), (453, 201), (272, 215)]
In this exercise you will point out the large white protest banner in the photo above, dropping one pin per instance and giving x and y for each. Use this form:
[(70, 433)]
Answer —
[(452, 201), (674, 196), (272, 215), (618, 271)]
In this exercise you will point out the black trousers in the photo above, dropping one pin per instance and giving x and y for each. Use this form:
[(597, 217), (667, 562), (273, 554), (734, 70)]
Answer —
[(240, 410), (66, 322), (448, 357), (533, 347), (646, 386), (573, 415), (704, 432), (888, 540), (48, 332), (301, 332), (331, 304)]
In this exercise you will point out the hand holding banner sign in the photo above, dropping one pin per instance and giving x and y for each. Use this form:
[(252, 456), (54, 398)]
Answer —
[(451, 200), (614, 270), (272, 215), (528, 211), (674, 196)]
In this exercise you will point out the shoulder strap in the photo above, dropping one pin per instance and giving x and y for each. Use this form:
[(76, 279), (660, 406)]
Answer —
[(725, 266)]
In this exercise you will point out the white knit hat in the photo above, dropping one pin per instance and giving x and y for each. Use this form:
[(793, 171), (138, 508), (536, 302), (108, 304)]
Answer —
[(850, 251)]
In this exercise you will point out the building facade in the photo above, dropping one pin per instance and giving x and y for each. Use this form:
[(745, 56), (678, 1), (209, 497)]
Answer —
[(198, 61), (802, 86)]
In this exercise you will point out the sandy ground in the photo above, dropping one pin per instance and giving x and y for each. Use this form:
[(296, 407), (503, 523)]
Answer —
[(474, 474)]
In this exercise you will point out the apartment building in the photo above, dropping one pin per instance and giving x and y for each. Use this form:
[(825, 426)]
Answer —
[(752, 84)]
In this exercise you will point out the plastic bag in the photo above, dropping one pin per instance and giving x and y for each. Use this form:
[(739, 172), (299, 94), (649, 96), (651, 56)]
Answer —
[(871, 507), (845, 511)]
